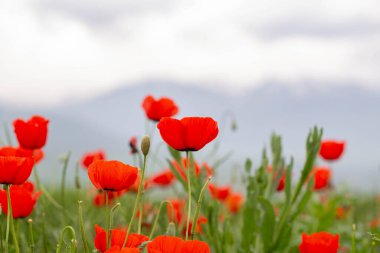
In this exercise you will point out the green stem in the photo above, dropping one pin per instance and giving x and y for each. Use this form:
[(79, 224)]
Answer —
[(1, 236), (198, 208), (81, 223), (113, 210), (107, 220), (353, 239), (44, 237), (141, 213), (64, 172), (31, 238), (10, 218), (73, 239), (157, 216), (137, 201), (188, 194)]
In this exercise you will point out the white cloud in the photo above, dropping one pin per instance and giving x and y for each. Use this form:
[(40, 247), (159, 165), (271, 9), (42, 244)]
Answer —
[(51, 50)]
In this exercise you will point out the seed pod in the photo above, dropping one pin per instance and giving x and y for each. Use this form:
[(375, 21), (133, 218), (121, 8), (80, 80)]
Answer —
[(145, 145)]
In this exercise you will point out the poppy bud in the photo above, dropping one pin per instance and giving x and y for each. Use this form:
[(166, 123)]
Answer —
[(145, 145)]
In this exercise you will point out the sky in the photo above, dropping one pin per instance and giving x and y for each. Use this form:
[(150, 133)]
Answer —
[(52, 50)]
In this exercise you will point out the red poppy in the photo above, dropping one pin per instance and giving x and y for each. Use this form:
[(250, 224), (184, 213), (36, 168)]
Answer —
[(37, 154), (281, 183), (181, 168), (100, 197), (319, 242), (322, 176), (14, 169), (172, 244), (112, 175), (135, 186), (157, 109), (331, 149), (164, 178), (176, 210), (91, 157), (117, 239), (234, 202), (133, 145), (188, 134), (198, 229), (219, 193), (116, 249), (31, 134), (23, 200)]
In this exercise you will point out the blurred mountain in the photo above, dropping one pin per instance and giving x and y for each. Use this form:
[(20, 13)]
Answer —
[(108, 121)]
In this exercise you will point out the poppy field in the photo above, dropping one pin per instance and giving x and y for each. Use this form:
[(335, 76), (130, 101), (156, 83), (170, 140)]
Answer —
[(179, 208)]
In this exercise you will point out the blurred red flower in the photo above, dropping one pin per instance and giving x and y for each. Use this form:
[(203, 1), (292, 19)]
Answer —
[(322, 177), (219, 193), (172, 244), (176, 210), (91, 157), (100, 198), (188, 134), (164, 178), (14, 169), (234, 202), (319, 242), (133, 145), (181, 168), (155, 109), (31, 134), (112, 175), (198, 228), (281, 183), (117, 239), (23, 200), (331, 149)]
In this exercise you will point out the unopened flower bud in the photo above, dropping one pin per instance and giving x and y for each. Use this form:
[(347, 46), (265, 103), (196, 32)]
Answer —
[(145, 145)]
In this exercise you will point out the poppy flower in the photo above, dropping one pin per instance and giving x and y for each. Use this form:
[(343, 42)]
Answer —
[(172, 244), (234, 202), (37, 154), (23, 200), (164, 178), (155, 109), (219, 193), (90, 157), (133, 145), (281, 183), (198, 228), (181, 168), (100, 198), (188, 134), (14, 169), (319, 242), (31, 134), (135, 186), (112, 175), (176, 210), (331, 150), (117, 239), (116, 249), (322, 177)]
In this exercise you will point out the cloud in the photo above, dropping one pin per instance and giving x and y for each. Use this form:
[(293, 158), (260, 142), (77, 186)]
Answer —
[(52, 50)]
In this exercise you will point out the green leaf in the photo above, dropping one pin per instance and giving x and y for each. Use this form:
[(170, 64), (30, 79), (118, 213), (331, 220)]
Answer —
[(268, 223)]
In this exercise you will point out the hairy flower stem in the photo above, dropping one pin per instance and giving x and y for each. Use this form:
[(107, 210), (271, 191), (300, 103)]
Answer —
[(31, 238), (10, 223), (158, 216), (63, 185), (198, 208), (141, 213), (188, 194), (73, 239), (81, 224), (137, 201)]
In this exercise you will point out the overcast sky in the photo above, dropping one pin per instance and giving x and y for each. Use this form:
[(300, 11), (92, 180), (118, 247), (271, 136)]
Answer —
[(53, 49)]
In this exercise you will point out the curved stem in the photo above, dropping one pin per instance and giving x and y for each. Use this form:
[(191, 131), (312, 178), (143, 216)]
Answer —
[(73, 240), (188, 194), (64, 172), (199, 203), (10, 220), (113, 210), (137, 201)]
